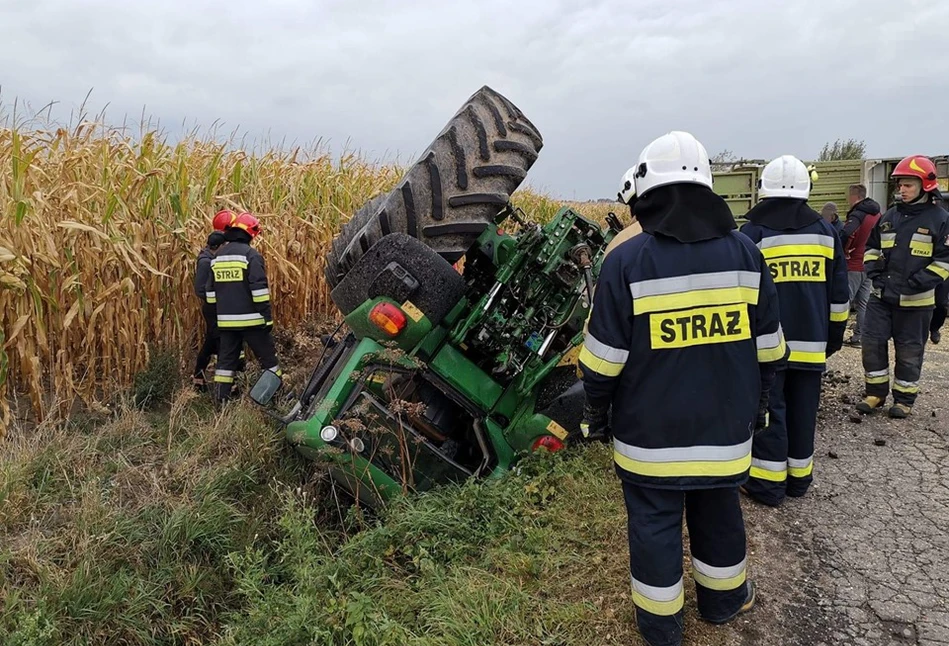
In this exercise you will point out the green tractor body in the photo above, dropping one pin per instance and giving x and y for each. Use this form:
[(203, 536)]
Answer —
[(449, 374)]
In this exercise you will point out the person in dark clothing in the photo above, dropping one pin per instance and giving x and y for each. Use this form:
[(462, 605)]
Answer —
[(677, 306), (863, 215), (238, 286), (907, 258), (942, 294), (807, 263), (831, 217), (939, 314), (208, 310)]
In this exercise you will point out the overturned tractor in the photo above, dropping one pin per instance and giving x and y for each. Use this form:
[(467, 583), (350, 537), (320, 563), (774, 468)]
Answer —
[(447, 374)]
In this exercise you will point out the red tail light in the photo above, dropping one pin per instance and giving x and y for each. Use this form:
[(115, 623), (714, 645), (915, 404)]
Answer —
[(549, 442), (388, 318)]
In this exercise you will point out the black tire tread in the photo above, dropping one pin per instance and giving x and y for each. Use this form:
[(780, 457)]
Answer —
[(454, 190)]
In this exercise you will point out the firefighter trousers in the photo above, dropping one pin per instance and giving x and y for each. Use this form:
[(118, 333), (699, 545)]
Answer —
[(261, 344), (717, 541), (909, 329), (782, 456)]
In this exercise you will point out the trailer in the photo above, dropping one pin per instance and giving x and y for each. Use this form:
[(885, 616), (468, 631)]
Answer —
[(739, 184)]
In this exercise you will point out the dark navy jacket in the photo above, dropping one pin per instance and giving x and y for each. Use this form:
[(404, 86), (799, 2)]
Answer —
[(237, 283), (907, 256), (674, 342), (810, 272)]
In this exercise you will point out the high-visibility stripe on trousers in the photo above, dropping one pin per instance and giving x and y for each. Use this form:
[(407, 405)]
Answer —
[(717, 542), (909, 329), (782, 461), (230, 359)]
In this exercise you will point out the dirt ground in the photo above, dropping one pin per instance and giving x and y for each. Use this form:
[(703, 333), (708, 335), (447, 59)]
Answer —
[(864, 557)]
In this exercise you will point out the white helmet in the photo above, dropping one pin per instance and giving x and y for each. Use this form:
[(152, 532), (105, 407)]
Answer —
[(673, 158), (786, 176), (627, 189)]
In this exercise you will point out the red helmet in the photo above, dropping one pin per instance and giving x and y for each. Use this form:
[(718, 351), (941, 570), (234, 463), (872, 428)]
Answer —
[(248, 223), (918, 166), (223, 219)]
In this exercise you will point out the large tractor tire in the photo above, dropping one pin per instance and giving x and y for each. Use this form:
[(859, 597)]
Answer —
[(454, 191)]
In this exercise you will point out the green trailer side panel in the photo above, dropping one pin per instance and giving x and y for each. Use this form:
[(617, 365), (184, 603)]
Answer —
[(739, 182), (834, 178), (739, 187)]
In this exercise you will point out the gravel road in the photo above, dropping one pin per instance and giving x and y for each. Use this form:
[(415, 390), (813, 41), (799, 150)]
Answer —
[(864, 557)]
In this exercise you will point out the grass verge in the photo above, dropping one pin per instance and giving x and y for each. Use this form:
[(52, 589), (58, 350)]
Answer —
[(183, 526)]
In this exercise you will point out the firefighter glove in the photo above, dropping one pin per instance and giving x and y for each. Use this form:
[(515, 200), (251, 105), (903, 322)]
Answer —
[(595, 422), (833, 347), (762, 420)]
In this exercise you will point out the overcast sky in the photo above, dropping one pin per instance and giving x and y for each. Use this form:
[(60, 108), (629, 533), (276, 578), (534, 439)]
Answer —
[(599, 78)]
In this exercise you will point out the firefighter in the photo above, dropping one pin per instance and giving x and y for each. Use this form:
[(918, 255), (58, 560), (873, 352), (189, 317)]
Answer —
[(238, 286), (906, 260), (940, 312), (211, 336), (806, 260), (677, 306), (222, 219)]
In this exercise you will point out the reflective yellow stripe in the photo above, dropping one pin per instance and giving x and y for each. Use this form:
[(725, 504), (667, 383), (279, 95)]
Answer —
[(839, 312), (770, 470), (798, 468), (872, 254), (240, 324), (801, 472), (885, 379), (688, 469), (808, 357), (887, 244), (798, 250), (261, 299), (223, 380), (921, 249), (603, 351), (664, 602), (230, 264), (768, 355), (599, 366), (905, 386), (939, 271), (923, 299), (695, 290), (719, 578), (808, 351), (764, 474), (212, 299), (721, 296)]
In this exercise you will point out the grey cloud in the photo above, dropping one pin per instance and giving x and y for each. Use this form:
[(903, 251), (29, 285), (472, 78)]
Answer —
[(599, 78)]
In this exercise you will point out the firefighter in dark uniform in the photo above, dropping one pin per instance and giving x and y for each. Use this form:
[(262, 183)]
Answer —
[(806, 261), (906, 260), (942, 294), (677, 307), (212, 338), (238, 286)]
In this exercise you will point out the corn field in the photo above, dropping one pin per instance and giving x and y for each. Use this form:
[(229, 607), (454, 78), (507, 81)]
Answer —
[(100, 232)]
